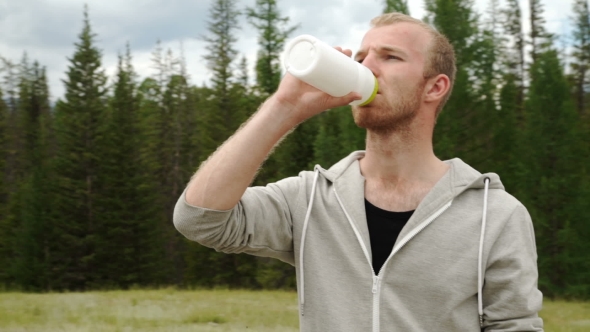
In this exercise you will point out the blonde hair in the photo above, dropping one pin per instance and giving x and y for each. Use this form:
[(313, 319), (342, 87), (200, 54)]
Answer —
[(441, 55)]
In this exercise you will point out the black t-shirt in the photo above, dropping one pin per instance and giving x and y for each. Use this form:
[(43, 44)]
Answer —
[(384, 227)]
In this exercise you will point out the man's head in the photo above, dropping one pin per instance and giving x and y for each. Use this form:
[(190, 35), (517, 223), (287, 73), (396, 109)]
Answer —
[(415, 67)]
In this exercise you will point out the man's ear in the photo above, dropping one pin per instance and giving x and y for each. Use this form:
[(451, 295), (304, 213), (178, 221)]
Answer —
[(436, 88)]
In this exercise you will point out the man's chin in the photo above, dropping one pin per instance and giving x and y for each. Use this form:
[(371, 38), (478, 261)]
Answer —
[(367, 122), (373, 121), (374, 106)]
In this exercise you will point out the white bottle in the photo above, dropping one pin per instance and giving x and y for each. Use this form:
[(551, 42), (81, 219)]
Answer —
[(323, 67)]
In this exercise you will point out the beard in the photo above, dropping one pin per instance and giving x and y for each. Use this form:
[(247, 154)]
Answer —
[(391, 114)]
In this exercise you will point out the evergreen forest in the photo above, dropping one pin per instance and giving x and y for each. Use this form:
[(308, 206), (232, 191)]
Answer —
[(88, 183)]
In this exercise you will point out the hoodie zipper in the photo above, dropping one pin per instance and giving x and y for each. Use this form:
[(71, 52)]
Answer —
[(376, 292), (376, 289)]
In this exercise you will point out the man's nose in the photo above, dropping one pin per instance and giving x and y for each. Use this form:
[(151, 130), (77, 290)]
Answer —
[(371, 62)]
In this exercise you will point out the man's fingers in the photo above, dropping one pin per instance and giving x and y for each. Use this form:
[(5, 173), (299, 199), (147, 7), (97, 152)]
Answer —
[(347, 52), (352, 97), (345, 100)]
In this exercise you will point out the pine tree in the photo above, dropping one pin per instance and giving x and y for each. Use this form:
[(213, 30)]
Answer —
[(552, 182), (5, 229), (158, 127), (273, 33), (180, 103), (152, 128), (17, 80), (221, 52), (78, 120), (220, 44), (10, 81), (400, 6), (9, 188), (175, 138), (508, 145), (580, 73), (514, 54), (485, 78), (24, 215), (539, 38), (218, 120), (31, 247), (32, 103), (581, 56), (128, 233)]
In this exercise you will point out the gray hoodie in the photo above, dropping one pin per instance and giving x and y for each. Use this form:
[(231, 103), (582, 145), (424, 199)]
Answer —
[(430, 282)]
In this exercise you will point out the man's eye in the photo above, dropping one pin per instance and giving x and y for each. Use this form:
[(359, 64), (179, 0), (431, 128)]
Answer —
[(359, 60), (390, 57)]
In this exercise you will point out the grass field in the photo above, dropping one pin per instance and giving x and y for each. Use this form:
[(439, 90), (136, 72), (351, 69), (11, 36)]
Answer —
[(177, 310)]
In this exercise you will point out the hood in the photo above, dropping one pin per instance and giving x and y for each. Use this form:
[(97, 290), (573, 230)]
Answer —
[(340, 167)]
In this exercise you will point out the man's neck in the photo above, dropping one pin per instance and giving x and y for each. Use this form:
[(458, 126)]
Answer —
[(399, 169)]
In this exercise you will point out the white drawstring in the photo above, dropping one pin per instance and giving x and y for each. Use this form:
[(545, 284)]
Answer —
[(480, 258), (309, 206)]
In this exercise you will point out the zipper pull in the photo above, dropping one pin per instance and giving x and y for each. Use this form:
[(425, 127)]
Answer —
[(375, 284)]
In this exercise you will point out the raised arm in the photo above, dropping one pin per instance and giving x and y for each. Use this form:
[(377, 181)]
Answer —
[(221, 181)]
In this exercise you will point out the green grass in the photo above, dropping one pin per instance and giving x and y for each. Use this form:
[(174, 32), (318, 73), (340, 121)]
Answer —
[(177, 311), (161, 310), (564, 316)]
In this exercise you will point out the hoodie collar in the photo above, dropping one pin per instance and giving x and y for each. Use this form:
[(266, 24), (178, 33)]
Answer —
[(349, 183), (460, 175), (341, 167), (346, 178)]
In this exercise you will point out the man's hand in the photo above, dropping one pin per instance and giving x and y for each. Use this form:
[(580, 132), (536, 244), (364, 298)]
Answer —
[(303, 101)]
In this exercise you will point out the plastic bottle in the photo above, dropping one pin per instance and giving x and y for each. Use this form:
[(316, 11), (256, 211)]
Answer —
[(325, 68)]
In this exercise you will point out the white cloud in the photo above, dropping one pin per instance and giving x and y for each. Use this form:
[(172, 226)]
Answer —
[(48, 29)]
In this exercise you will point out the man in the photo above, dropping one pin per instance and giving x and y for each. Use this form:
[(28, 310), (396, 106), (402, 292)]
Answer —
[(359, 267)]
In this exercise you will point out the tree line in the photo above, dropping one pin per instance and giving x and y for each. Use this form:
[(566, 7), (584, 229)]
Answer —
[(88, 185)]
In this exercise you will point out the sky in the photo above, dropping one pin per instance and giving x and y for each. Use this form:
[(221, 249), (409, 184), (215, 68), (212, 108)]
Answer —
[(47, 29)]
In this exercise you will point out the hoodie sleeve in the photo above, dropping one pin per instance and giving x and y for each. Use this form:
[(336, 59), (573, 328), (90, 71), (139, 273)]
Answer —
[(260, 224), (511, 297)]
